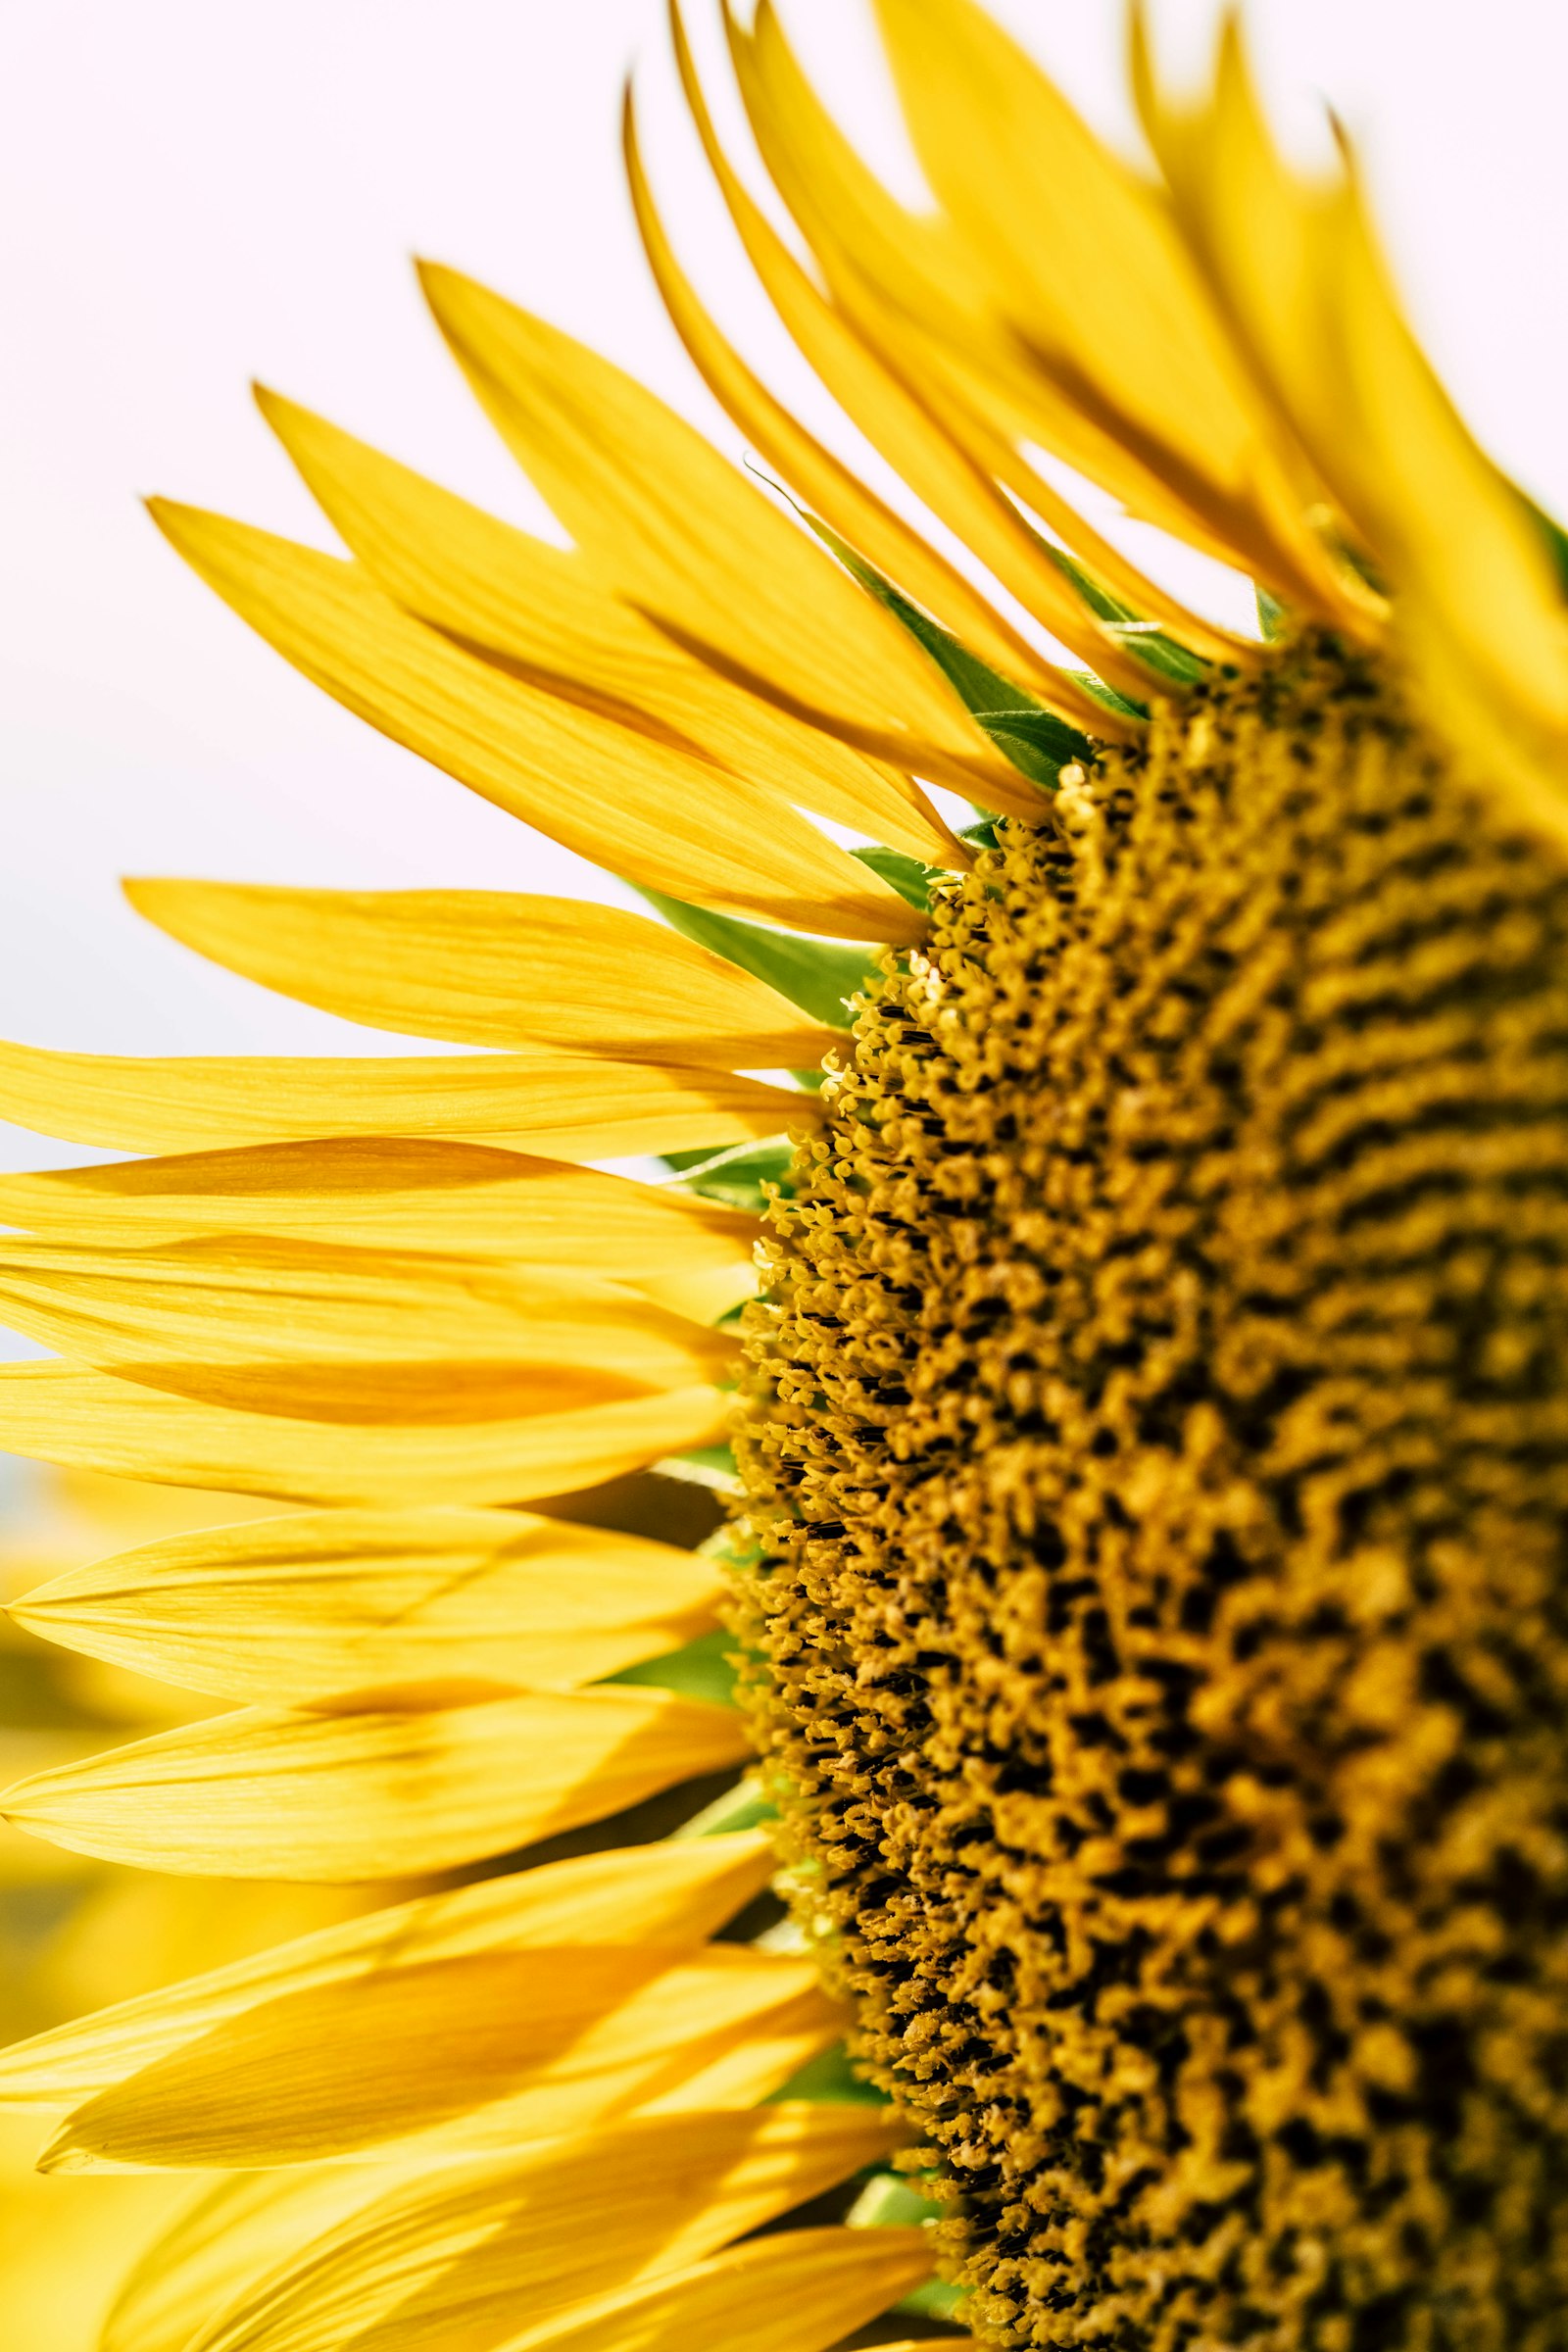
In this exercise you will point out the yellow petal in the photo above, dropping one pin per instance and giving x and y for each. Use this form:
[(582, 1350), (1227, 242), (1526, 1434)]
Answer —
[(672, 1894), (1439, 517), (795, 2291), (356, 1797), (231, 2235), (462, 2055), (742, 2072), (487, 969), (914, 258), (295, 1609), (502, 1339), (689, 540), (1504, 749), (895, 413), (819, 477), (572, 1106), (1082, 257), (1476, 601), (541, 609), (915, 295), (92, 1421), (473, 2251), (398, 1194), (1254, 230), (648, 809)]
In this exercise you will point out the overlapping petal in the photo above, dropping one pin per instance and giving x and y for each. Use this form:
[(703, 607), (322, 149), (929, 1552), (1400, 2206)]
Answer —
[(1477, 608), (542, 614), (959, 475), (399, 1192), (649, 809), (299, 1608), (464, 2257), (915, 295), (217, 2246), (349, 1333), (687, 540), (893, 419), (353, 1797), (68, 1414), (486, 968), (458, 2056), (565, 1105), (672, 1894), (791, 2294)]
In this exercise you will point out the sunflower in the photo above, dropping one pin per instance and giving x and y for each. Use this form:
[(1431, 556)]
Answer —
[(1122, 1240)]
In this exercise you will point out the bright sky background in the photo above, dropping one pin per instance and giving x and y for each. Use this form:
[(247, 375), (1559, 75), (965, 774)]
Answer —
[(193, 194)]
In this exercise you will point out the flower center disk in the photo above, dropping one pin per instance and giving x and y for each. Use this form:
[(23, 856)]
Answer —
[(1157, 1446)]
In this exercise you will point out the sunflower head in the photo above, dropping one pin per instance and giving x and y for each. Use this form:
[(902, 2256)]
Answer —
[(1157, 1428), (1121, 1226)]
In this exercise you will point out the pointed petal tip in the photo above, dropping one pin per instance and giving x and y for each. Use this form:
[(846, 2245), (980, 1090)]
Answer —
[(276, 407), (438, 279), (178, 520)]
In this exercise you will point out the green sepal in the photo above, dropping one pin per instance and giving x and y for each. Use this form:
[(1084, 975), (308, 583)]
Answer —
[(743, 1807), (1145, 640), (909, 876), (1555, 536), (979, 687), (984, 692), (890, 2201), (1035, 740), (716, 1462), (735, 1178), (698, 1669), (1123, 704), (819, 975), (1273, 617), (936, 2300), (828, 2080)]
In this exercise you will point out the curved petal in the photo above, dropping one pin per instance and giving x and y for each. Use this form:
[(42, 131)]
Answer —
[(893, 410), (460, 2056), (467, 2255), (544, 615), (690, 542), (251, 1302), (652, 810), (360, 1796), (566, 1105), (90, 1420), (491, 968), (795, 2292), (399, 1194), (294, 1609), (673, 1895), (1097, 287)]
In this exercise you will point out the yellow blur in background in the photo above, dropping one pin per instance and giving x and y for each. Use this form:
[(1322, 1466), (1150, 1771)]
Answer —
[(75, 1933)]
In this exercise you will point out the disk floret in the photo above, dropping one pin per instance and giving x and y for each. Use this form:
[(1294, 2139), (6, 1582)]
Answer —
[(1159, 1450)]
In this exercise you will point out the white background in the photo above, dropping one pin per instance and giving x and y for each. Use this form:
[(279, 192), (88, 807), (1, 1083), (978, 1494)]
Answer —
[(192, 193)]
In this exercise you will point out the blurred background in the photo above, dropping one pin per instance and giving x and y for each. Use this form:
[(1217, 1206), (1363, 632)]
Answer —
[(194, 195)]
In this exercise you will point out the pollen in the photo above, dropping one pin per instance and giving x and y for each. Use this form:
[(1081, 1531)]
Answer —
[(1157, 1452)]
